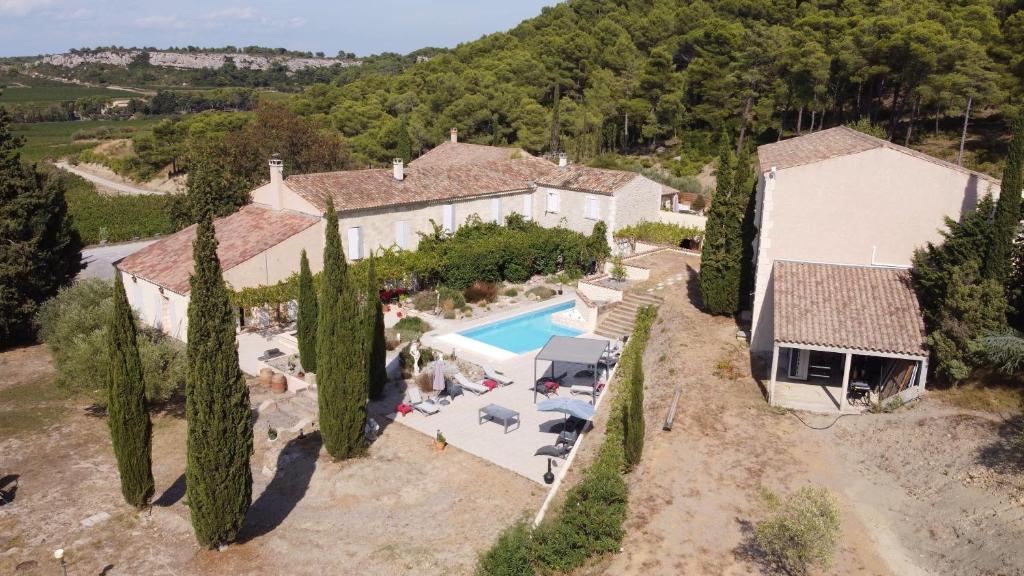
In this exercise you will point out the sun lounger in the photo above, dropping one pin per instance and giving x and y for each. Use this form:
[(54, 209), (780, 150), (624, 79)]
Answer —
[(427, 407), (475, 387), (560, 451), (496, 375)]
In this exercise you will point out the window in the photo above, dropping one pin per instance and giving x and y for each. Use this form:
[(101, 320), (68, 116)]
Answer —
[(355, 243), (553, 202), (496, 209), (449, 218), (528, 206), (592, 206), (402, 234)]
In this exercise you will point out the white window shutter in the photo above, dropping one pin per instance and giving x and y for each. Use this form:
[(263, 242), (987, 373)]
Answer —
[(449, 218), (402, 234), (592, 207), (553, 202), (496, 209), (355, 244), (528, 206)]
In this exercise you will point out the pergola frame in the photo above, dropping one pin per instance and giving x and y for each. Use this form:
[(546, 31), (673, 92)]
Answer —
[(584, 351), (848, 356)]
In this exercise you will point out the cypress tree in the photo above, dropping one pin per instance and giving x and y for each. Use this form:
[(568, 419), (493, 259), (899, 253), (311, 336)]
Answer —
[(217, 409), (634, 428), (556, 122), (306, 325), (130, 427), (717, 266), (40, 251), (999, 260), (404, 141), (340, 362), (377, 373)]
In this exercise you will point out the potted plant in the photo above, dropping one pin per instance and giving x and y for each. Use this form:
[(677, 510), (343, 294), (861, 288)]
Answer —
[(439, 441), (271, 434)]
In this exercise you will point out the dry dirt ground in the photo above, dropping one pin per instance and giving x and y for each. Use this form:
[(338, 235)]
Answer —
[(929, 489), (402, 509)]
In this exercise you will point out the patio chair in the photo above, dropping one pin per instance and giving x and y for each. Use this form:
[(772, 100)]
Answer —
[(496, 375), (477, 388), (426, 407), (560, 451)]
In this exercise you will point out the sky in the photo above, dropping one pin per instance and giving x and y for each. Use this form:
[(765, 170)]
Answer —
[(30, 27)]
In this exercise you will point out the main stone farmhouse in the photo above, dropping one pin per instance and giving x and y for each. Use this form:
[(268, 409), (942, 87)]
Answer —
[(380, 208), (839, 215)]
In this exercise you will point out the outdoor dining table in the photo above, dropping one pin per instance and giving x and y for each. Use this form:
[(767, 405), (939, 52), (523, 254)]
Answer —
[(501, 414)]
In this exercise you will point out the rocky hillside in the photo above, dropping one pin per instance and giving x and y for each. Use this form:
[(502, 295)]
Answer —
[(193, 60)]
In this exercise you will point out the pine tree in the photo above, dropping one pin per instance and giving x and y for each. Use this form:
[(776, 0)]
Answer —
[(719, 268), (340, 362), (1006, 224), (130, 427), (404, 141), (306, 324), (217, 409), (40, 251), (377, 372), (634, 428)]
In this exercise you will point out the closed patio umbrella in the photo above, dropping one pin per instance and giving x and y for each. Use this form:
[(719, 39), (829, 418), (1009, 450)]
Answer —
[(567, 406), (438, 375)]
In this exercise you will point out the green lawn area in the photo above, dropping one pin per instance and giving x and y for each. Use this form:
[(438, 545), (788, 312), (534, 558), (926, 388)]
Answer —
[(62, 93), (51, 140), (30, 407)]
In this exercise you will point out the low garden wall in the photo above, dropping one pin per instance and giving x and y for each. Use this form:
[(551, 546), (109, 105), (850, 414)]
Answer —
[(597, 292), (683, 219)]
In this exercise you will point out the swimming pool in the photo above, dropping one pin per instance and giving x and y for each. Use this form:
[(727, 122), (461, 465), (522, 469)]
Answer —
[(524, 332)]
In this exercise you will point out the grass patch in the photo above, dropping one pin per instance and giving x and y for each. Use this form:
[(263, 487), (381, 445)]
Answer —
[(727, 366), (29, 408), (52, 140), (998, 398)]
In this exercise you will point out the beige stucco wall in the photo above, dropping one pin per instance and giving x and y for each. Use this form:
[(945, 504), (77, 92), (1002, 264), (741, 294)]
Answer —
[(683, 219), (572, 209), (635, 202), (871, 208), (289, 200), (279, 261), (167, 312)]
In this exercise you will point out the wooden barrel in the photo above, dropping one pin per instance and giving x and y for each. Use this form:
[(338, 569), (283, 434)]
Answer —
[(265, 374), (278, 383)]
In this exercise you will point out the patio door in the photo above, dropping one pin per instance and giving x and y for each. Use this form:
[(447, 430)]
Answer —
[(799, 360)]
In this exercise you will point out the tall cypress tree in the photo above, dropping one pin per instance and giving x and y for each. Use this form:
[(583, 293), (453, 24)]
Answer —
[(404, 141), (217, 409), (341, 358), (634, 428), (130, 427), (377, 372), (307, 316), (716, 267), (999, 259), (556, 121)]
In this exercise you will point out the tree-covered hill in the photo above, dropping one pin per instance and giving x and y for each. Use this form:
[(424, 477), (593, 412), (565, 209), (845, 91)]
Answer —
[(633, 74)]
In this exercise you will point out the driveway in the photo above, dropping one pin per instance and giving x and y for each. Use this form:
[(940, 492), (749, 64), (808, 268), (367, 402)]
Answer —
[(99, 261), (119, 187)]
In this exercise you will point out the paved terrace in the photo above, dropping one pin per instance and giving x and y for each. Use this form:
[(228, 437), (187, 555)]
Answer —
[(459, 421)]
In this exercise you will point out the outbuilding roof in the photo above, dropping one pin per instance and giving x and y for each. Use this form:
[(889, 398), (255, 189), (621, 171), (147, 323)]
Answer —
[(453, 153), (168, 263), (835, 142), (587, 179), (867, 308)]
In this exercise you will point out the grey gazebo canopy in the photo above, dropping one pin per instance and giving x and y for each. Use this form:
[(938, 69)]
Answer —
[(586, 351)]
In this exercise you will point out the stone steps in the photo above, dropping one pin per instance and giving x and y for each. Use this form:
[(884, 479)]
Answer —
[(620, 320)]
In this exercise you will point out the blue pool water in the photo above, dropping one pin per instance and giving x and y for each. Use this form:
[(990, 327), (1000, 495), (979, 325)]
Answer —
[(525, 332)]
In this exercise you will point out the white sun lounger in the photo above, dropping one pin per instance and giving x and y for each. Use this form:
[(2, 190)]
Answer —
[(427, 407), (496, 375), (467, 384)]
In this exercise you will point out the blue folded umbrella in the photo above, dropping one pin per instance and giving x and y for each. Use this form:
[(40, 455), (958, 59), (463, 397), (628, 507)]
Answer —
[(568, 406)]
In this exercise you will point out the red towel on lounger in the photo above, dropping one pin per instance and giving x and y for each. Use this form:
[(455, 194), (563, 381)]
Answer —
[(491, 384), (403, 409)]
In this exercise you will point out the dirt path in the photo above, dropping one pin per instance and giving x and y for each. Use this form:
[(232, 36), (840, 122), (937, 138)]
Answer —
[(108, 184)]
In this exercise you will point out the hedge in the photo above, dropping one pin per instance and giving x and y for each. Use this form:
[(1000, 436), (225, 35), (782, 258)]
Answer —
[(589, 522), (659, 233)]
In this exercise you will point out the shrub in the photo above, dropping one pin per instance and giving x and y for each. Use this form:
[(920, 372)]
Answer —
[(425, 382), (618, 268), (458, 301), (424, 301), (412, 325), (73, 324), (803, 531), (541, 292), (481, 291), (510, 555), (405, 359), (511, 292), (658, 233)]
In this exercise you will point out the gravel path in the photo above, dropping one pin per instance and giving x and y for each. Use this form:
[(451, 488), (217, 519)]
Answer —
[(119, 187)]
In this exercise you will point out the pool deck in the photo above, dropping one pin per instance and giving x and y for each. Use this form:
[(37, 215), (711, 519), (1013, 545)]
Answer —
[(459, 420)]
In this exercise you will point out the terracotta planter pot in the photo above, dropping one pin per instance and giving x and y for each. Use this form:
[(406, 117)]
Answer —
[(439, 446), (278, 383), (265, 376)]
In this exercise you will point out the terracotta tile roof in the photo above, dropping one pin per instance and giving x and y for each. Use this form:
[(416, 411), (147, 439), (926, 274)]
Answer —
[(452, 153), (684, 197), (858, 307), (836, 142), (242, 235), (587, 179), (376, 188)]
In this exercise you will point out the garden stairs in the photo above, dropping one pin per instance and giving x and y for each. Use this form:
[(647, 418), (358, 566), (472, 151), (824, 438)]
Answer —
[(619, 321)]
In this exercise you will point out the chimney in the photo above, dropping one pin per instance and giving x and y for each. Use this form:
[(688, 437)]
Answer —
[(563, 159), (276, 182), (455, 135), (398, 169)]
